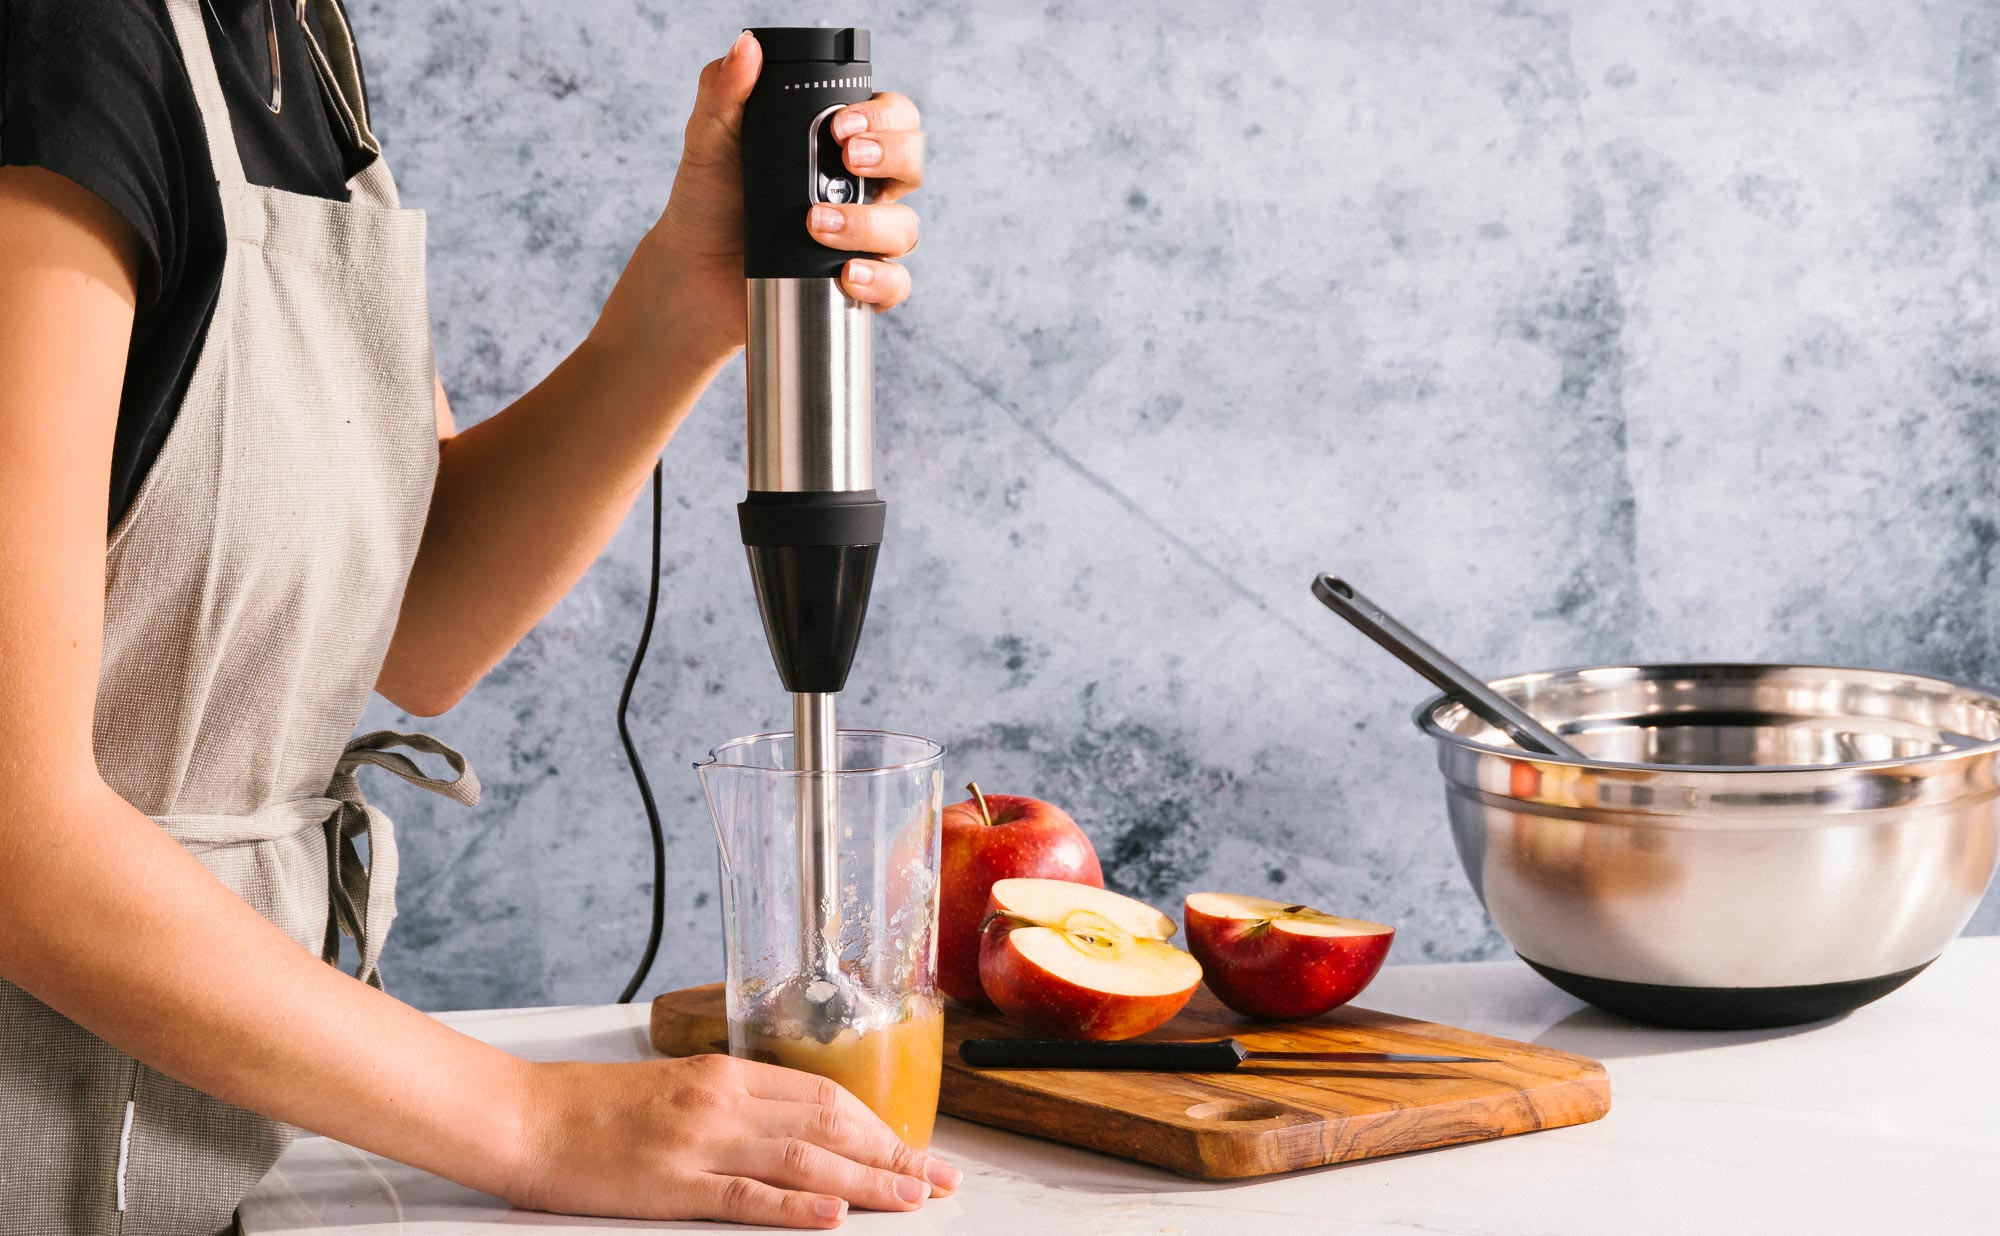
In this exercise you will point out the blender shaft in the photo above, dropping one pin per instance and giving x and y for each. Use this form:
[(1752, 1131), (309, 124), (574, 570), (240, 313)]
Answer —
[(816, 755)]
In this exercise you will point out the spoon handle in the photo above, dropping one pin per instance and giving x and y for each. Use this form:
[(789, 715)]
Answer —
[(1449, 676)]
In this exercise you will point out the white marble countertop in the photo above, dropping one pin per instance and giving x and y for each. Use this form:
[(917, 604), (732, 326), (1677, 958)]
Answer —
[(1886, 1121)]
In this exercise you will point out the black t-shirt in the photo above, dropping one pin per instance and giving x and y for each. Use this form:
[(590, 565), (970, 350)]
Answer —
[(95, 91)]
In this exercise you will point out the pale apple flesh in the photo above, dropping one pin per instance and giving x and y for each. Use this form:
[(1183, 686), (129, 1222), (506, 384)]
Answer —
[(1072, 961), (1282, 961)]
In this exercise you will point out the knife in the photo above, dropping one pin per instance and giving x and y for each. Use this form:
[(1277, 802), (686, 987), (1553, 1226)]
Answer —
[(1212, 1056)]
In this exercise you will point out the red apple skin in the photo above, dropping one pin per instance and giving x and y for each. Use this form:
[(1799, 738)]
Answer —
[(1056, 1008), (1028, 837), (1278, 976), (1524, 780)]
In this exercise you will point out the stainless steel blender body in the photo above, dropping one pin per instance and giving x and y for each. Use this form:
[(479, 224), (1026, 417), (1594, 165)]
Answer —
[(810, 381)]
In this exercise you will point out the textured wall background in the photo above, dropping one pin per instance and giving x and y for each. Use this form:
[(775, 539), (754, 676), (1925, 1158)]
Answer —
[(1575, 333)]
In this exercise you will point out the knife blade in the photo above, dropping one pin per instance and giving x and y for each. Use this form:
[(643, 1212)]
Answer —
[(1200, 1056)]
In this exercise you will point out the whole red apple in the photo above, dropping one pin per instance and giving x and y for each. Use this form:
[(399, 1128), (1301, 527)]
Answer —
[(992, 837), (1279, 961)]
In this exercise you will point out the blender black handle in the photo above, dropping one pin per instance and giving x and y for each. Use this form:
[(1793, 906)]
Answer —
[(1448, 675), (790, 160), (1216, 1056)]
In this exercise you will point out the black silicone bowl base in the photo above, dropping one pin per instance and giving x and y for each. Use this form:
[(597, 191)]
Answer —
[(1724, 1008)]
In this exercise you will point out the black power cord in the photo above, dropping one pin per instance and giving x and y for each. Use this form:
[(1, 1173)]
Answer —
[(639, 769)]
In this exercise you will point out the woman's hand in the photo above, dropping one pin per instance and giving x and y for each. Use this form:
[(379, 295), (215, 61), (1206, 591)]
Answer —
[(686, 279), (711, 1137)]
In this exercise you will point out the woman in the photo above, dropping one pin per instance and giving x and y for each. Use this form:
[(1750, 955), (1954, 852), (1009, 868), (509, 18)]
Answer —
[(212, 318)]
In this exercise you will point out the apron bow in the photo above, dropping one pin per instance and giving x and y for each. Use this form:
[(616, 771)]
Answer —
[(361, 896)]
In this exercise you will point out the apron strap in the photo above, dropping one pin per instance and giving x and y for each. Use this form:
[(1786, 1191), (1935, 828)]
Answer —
[(363, 895), (339, 69), (375, 748), (191, 31)]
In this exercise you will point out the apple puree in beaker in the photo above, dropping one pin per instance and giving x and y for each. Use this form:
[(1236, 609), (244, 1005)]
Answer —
[(894, 1069)]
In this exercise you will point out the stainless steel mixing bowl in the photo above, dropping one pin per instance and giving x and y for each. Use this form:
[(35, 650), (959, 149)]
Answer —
[(1747, 845)]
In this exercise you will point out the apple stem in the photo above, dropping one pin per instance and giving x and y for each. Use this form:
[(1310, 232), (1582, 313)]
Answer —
[(979, 798)]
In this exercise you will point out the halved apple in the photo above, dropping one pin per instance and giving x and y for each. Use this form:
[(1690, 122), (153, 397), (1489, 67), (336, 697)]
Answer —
[(1282, 961), (1076, 962)]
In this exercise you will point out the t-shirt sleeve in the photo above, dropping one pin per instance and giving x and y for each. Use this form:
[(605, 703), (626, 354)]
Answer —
[(94, 91)]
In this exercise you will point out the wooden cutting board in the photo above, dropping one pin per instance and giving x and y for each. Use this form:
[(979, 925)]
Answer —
[(1255, 1121)]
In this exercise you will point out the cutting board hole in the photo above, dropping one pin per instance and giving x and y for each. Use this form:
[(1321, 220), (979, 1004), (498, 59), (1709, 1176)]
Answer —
[(1237, 1110)]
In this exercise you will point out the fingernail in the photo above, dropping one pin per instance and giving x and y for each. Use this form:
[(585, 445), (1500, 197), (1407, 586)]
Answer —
[(860, 272), (942, 1175), (829, 1208), (864, 152), (911, 1190), (849, 122), (736, 48), (827, 219)]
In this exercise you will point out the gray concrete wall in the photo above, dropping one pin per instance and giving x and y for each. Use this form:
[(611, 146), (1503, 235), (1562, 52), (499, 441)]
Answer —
[(1576, 333)]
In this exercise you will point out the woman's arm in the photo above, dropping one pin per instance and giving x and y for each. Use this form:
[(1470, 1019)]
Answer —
[(526, 500), (219, 997)]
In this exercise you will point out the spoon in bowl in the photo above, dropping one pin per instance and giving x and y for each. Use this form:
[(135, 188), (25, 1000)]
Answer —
[(1448, 675)]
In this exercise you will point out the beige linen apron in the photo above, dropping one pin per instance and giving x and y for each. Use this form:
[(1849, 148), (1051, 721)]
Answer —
[(250, 594)]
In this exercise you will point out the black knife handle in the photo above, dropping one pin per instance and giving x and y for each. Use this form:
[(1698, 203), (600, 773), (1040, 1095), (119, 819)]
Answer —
[(1216, 1056)]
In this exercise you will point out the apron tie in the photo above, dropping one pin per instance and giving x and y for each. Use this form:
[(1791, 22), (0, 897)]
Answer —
[(361, 896)]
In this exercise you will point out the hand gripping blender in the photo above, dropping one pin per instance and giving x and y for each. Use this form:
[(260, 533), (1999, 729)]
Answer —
[(811, 522)]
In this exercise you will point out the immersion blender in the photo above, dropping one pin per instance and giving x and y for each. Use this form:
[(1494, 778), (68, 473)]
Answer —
[(811, 522)]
